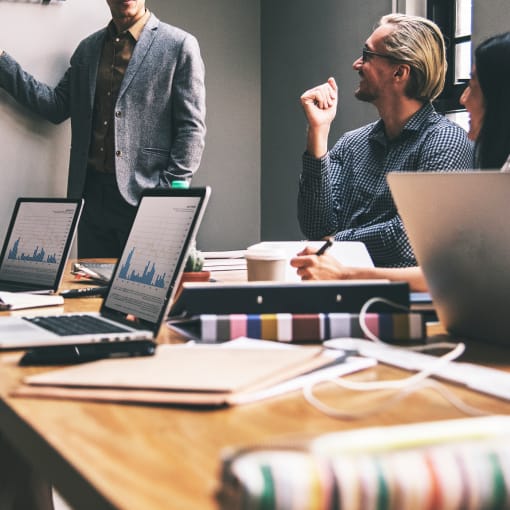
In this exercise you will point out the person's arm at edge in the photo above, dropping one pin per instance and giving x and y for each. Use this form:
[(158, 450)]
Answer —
[(412, 275)]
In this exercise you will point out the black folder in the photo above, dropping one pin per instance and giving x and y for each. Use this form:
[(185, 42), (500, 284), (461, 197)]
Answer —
[(277, 297)]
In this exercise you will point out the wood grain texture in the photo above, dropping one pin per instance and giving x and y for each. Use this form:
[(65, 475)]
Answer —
[(106, 456)]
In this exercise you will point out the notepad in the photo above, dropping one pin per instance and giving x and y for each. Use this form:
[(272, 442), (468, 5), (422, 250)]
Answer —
[(20, 300), (349, 253), (197, 375)]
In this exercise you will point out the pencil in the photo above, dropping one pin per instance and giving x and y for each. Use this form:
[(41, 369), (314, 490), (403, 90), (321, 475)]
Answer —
[(325, 246)]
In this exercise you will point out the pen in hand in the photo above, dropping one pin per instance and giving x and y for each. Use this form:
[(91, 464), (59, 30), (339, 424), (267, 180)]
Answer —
[(325, 246)]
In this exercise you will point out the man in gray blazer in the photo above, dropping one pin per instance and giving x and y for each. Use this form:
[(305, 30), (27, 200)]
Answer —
[(136, 98)]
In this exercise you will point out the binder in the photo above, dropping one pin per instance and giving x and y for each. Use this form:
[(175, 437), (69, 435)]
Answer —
[(297, 328), (334, 296)]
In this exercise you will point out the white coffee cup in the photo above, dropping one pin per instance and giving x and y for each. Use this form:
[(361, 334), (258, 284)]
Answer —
[(266, 264)]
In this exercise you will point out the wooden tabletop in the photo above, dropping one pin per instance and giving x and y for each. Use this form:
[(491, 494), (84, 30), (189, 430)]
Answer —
[(104, 456)]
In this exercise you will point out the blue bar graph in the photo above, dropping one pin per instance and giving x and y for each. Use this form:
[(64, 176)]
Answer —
[(38, 255), (148, 277)]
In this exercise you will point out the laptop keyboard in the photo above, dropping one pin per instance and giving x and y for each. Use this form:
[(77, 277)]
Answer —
[(66, 325)]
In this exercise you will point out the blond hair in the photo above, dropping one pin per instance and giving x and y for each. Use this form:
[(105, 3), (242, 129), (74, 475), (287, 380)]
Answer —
[(418, 42)]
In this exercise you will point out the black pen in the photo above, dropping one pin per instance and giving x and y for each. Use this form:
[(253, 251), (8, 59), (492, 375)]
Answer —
[(85, 291), (325, 246)]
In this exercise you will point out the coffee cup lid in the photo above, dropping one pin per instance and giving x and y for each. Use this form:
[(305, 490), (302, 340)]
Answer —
[(266, 253)]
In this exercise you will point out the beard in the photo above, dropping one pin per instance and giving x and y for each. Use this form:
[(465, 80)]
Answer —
[(362, 93)]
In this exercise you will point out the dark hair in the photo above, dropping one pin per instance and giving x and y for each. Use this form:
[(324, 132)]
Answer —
[(492, 61)]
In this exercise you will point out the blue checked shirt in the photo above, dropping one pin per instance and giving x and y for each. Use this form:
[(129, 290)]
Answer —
[(345, 192)]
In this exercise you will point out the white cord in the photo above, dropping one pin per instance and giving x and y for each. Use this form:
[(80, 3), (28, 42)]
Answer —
[(405, 386), (397, 384), (391, 401), (363, 316)]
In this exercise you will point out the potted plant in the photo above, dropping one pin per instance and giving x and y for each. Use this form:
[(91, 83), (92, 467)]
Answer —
[(195, 262), (193, 270)]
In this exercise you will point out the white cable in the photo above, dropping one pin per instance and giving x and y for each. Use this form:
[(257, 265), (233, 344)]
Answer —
[(405, 386), (363, 314), (447, 394)]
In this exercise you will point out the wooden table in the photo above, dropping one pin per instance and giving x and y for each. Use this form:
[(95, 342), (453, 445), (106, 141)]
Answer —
[(104, 456)]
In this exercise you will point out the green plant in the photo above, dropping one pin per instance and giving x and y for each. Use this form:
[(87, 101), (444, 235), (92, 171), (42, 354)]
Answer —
[(195, 260)]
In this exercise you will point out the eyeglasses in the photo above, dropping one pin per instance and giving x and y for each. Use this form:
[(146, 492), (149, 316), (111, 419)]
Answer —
[(366, 54)]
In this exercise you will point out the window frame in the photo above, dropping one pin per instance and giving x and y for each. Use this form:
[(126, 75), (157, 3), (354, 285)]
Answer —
[(443, 13)]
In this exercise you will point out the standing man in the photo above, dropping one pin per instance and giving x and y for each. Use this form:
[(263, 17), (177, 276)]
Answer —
[(136, 98), (344, 192)]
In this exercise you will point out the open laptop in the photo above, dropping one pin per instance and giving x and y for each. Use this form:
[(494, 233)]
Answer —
[(37, 244), (143, 283), (459, 227)]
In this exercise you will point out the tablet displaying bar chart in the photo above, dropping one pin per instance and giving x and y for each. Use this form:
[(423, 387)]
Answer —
[(37, 241), (153, 255)]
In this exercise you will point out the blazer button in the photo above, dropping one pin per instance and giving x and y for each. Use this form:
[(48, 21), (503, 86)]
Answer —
[(118, 153), (118, 114)]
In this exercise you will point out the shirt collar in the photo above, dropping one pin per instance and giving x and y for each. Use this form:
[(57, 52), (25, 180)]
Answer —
[(135, 30), (413, 124)]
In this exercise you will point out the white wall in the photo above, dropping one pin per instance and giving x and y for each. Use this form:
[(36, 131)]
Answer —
[(34, 153)]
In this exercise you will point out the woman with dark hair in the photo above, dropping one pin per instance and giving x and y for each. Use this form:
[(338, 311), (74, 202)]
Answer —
[(487, 101)]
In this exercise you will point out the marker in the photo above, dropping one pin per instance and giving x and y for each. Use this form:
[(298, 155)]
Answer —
[(324, 247), (179, 184)]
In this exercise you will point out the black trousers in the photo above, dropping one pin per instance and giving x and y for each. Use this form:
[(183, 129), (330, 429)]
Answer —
[(106, 218)]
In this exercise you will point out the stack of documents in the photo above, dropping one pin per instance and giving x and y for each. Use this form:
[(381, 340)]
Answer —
[(224, 260)]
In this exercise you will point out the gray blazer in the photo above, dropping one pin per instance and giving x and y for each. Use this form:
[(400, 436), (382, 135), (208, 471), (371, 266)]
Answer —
[(159, 115)]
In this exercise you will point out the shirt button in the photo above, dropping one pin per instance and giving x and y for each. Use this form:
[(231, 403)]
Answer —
[(117, 39), (101, 149), (105, 122), (118, 153)]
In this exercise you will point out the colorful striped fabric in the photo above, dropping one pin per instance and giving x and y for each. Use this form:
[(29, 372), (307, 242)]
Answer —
[(458, 476), (287, 327)]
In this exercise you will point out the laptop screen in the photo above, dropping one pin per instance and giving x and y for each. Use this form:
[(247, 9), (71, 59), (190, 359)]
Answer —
[(155, 254), (38, 241)]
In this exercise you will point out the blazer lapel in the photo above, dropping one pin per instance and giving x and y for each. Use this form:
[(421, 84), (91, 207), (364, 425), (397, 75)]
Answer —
[(142, 47), (96, 51)]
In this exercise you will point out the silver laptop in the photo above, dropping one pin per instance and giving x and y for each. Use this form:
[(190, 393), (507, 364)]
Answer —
[(143, 283), (37, 244), (459, 228)]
